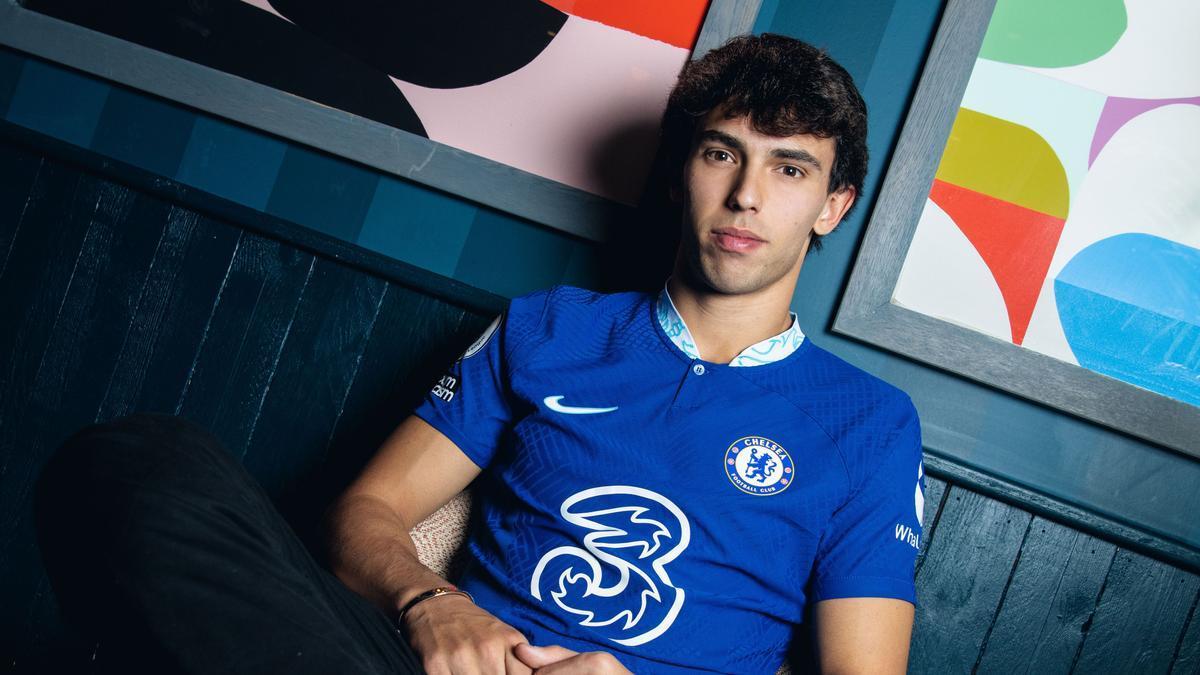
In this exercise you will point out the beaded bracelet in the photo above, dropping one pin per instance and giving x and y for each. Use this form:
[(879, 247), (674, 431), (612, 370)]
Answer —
[(431, 593)]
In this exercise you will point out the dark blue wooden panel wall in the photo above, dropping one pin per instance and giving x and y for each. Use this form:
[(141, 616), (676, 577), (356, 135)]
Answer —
[(115, 298)]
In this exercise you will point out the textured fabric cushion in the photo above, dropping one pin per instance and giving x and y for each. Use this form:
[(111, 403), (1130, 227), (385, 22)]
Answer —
[(439, 540)]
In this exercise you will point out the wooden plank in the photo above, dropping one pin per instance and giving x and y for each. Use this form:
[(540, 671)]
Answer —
[(250, 322), (170, 315), (386, 387), (935, 493), (42, 260), (1187, 653), (151, 303), (724, 20), (1099, 525), (98, 308), (1140, 617), (57, 286), (1051, 596), (313, 375), (960, 583), (71, 373), (18, 174)]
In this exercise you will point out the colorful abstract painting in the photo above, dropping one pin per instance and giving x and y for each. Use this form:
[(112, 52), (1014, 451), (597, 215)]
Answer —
[(1064, 216), (569, 90)]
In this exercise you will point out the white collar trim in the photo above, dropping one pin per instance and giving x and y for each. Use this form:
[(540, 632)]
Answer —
[(767, 351)]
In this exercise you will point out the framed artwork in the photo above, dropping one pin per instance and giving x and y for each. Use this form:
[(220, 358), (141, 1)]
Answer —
[(547, 109), (1038, 229)]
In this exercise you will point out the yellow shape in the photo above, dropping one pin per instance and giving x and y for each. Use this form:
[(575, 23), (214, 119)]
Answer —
[(1004, 160)]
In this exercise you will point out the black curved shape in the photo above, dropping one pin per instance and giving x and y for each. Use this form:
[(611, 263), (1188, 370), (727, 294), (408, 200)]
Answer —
[(242, 40), (442, 44)]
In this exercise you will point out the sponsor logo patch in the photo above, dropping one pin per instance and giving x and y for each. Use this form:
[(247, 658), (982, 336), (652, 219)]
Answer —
[(446, 388), (616, 584), (919, 495), (905, 533), (758, 466)]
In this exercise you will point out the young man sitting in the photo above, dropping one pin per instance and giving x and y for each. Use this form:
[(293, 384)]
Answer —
[(663, 481)]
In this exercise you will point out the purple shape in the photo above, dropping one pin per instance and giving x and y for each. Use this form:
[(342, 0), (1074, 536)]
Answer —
[(1118, 111)]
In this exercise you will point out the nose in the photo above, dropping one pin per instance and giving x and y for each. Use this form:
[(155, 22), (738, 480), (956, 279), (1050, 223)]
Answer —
[(745, 194)]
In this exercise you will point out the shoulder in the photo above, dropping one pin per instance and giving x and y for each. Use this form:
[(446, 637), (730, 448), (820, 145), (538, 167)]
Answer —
[(562, 298), (837, 376), (867, 418), (575, 314)]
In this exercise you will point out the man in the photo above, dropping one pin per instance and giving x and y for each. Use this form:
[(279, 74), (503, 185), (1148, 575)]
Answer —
[(635, 454), (664, 482)]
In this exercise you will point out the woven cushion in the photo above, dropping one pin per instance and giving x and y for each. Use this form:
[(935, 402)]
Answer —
[(439, 538)]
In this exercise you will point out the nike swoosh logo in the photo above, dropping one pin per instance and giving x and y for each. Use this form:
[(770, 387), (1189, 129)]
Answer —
[(552, 402)]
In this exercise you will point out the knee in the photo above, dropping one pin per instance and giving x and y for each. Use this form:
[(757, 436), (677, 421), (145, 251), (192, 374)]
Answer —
[(144, 429), (134, 450), (143, 438), (108, 475)]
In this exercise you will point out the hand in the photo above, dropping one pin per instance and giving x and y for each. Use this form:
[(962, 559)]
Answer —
[(452, 635), (555, 660)]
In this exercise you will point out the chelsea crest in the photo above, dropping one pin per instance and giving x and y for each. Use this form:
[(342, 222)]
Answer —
[(759, 466)]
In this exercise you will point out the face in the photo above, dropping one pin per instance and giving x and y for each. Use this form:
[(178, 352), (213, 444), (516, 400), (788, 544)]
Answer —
[(750, 203)]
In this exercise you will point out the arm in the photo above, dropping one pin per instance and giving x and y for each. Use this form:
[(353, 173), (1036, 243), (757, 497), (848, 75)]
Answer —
[(371, 550), (415, 471), (863, 584), (863, 635)]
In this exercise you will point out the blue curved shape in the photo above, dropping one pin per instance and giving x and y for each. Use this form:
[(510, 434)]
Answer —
[(1130, 308)]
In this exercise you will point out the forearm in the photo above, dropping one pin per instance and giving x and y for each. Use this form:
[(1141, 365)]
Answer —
[(373, 554)]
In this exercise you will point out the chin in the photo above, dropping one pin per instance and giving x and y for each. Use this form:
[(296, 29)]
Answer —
[(732, 279)]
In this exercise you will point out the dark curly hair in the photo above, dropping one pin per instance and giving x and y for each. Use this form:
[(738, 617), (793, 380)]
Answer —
[(786, 87)]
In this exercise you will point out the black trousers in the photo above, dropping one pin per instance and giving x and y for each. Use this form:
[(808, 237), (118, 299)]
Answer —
[(160, 544)]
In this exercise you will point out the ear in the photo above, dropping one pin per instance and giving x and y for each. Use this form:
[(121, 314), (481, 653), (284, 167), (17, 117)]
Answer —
[(836, 206)]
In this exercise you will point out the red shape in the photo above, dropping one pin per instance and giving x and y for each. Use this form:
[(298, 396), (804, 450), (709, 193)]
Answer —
[(676, 22), (1015, 243)]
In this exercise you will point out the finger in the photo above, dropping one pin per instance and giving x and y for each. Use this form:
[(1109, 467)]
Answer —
[(540, 657), (574, 665), (514, 666), (591, 663)]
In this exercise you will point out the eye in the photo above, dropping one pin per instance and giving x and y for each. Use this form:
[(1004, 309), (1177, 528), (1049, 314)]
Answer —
[(718, 155), (792, 171)]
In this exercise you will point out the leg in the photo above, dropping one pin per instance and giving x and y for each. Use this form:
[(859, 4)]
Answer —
[(157, 540)]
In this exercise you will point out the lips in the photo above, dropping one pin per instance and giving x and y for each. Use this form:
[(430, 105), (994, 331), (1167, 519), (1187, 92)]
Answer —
[(737, 240)]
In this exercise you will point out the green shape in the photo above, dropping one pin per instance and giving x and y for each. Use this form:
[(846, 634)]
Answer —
[(1006, 161), (1053, 34)]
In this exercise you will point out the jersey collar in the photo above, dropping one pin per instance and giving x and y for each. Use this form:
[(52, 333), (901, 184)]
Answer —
[(768, 351)]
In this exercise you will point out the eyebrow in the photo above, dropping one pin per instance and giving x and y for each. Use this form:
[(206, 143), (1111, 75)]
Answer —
[(794, 154)]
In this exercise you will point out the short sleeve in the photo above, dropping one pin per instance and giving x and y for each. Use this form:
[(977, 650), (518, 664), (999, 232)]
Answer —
[(869, 547), (471, 404)]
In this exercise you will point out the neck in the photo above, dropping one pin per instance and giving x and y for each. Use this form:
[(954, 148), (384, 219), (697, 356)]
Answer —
[(725, 325)]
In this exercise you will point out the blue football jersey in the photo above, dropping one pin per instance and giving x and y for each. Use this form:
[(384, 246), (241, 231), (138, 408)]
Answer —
[(674, 512)]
